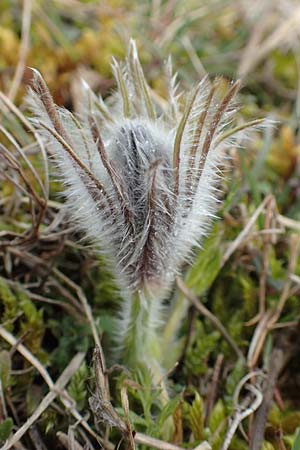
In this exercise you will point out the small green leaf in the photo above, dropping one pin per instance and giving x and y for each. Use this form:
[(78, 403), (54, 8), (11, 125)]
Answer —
[(207, 264), (296, 443), (5, 429), (168, 410), (235, 376), (196, 417), (77, 386), (9, 304), (135, 419), (267, 446), (200, 350), (5, 368), (290, 422), (217, 416)]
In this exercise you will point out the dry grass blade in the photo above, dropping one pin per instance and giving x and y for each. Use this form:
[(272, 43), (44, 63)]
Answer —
[(9, 106), (288, 222), (26, 21), (172, 28), (149, 441), (90, 318), (278, 37), (65, 441), (60, 384), (20, 151), (51, 301), (258, 339), (198, 66), (28, 355), (85, 305), (242, 236), (64, 396), (14, 164), (125, 406)]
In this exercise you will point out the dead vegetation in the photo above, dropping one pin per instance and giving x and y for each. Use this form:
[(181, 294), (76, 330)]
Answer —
[(236, 382)]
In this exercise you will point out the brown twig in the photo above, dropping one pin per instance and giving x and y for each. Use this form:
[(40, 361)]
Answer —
[(242, 236), (277, 360), (213, 387)]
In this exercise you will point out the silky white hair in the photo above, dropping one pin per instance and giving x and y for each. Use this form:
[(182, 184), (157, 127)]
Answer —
[(141, 182)]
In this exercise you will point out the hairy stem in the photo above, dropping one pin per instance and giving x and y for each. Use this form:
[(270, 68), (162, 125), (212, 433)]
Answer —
[(143, 349), (142, 340)]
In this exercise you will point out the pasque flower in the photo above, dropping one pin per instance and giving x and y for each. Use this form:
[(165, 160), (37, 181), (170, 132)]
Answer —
[(141, 179)]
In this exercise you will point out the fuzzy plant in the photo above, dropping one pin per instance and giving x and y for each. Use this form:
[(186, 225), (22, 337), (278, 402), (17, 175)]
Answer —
[(141, 179)]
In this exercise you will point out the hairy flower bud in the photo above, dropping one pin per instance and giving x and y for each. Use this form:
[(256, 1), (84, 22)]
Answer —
[(141, 182)]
